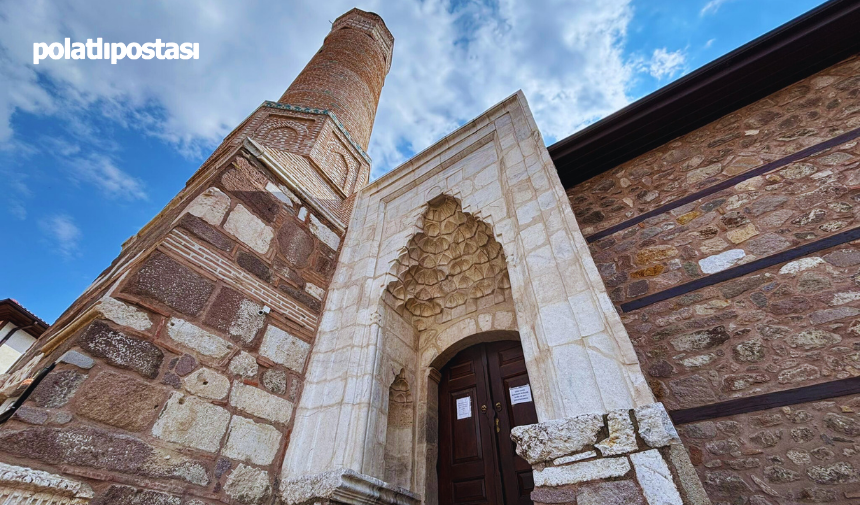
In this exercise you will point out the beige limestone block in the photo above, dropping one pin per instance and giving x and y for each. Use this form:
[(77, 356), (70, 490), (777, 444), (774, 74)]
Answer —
[(192, 422), (210, 206), (124, 314), (622, 436), (248, 485), (556, 438), (654, 476), (582, 472), (655, 426), (285, 349), (323, 233), (259, 403), (249, 229), (207, 383), (197, 338), (251, 442), (244, 364), (738, 235)]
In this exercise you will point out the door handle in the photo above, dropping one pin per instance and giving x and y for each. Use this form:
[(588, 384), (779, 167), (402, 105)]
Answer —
[(497, 425)]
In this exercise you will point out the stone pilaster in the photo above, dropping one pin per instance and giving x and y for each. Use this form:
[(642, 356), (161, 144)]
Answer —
[(621, 457), (344, 486)]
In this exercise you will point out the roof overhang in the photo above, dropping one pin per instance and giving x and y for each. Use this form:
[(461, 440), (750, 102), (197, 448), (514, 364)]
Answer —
[(808, 44), (12, 311)]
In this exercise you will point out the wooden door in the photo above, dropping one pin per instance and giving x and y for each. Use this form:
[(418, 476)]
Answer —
[(477, 460)]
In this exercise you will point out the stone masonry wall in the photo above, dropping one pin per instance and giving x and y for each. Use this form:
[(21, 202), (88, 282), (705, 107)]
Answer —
[(182, 388), (792, 324)]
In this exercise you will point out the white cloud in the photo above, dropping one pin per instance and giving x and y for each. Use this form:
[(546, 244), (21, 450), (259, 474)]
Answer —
[(666, 64), (451, 62), (102, 172), (62, 232), (712, 7)]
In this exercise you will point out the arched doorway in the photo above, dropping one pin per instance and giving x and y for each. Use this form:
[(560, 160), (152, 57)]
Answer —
[(484, 391)]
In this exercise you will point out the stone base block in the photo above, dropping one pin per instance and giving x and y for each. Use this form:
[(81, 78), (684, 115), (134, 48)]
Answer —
[(344, 486), (23, 486), (624, 456)]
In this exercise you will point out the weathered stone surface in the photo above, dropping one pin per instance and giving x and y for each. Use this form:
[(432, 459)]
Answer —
[(81, 446), (722, 483), (211, 205), (57, 388), (120, 400), (801, 373), (126, 495), (25, 480), (780, 474), (722, 261), (813, 339), (836, 473), (750, 351), (189, 421), (121, 350), (705, 339), (797, 266), (735, 287), (259, 403), (323, 233), (251, 442), (254, 265), (78, 359), (275, 381), (31, 415), (842, 424), (622, 436), (207, 383), (828, 315), (248, 485), (655, 426), (581, 472), (249, 229), (197, 338), (285, 349), (295, 244), (622, 492), (233, 313), (556, 438), (656, 253), (172, 284), (301, 296), (692, 390), (185, 365), (124, 314), (654, 477), (201, 230), (244, 364), (843, 258)]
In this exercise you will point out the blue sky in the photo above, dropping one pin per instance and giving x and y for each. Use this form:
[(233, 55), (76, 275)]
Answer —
[(89, 151)]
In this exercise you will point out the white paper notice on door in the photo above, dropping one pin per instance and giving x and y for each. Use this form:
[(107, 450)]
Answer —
[(521, 394), (464, 407)]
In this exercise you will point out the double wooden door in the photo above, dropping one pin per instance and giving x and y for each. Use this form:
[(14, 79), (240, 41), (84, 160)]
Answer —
[(483, 393)]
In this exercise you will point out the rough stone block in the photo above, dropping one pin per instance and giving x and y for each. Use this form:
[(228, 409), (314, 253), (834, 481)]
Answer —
[(207, 383), (281, 347), (210, 206), (126, 495), (124, 314), (248, 485), (585, 471), (556, 438), (259, 403), (295, 244), (275, 381), (654, 476), (621, 492), (197, 338), (722, 261), (251, 442), (655, 426), (238, 316), (119, 400), (254, 265), (57, 388), (172, 284), (249, 229), (622, 436), (323, 233), (244, 364), (121, 350), (203, 231), (192, 422), (78, 359)]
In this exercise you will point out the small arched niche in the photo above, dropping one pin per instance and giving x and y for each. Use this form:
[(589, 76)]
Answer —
[(398, 436)]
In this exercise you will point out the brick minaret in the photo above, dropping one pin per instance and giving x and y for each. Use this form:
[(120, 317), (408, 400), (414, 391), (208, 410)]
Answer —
[(347, 73), (175, 375)]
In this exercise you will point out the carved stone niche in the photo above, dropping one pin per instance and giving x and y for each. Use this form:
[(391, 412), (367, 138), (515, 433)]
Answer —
[(24, 486), (344, 486), (624, 456)]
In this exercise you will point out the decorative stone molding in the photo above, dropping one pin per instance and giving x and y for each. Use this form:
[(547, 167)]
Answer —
[(344, 486), (570, 455), (22, 485)]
